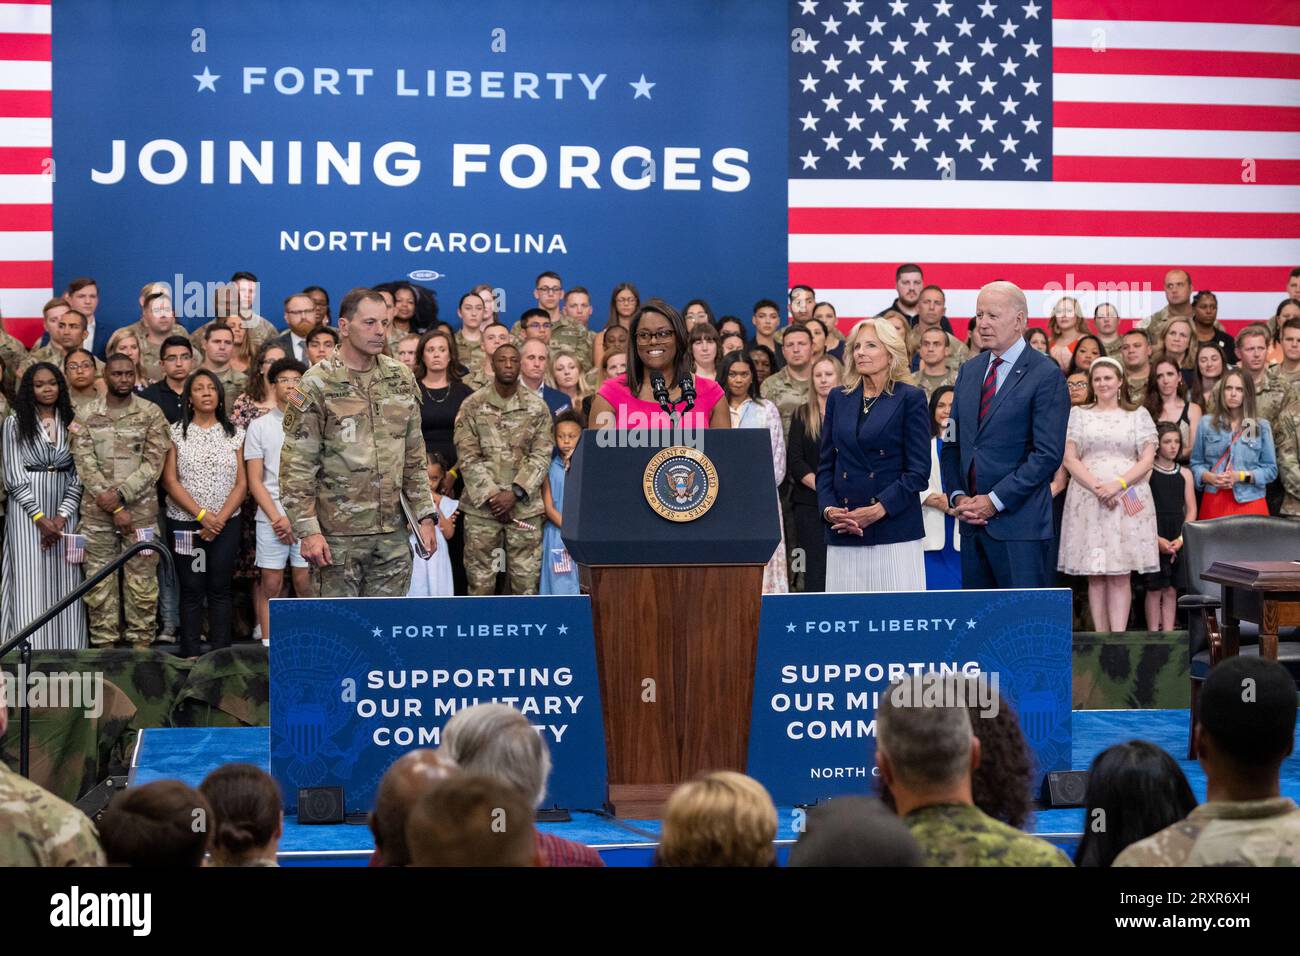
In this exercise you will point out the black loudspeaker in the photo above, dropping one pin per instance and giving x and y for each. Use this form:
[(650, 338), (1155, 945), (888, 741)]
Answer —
[(1064, 789), (95, 800), (320, 805)]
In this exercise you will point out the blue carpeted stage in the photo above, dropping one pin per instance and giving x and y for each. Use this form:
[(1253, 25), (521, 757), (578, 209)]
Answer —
[(189, 754)]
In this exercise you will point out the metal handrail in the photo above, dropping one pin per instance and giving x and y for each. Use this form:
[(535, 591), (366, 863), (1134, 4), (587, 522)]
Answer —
[(22, 641)]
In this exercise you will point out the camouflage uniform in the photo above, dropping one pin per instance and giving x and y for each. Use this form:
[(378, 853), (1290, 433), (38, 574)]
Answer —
[(80, 401), (471, 354), (953, 834), (261, 330), (786, 393), (570, 336), (13, 353), (45, 353), (39, 829), (477, 377), (352, 447), (1225, 833), (503, 442), (1286, 438), (1137, 387), (932, 382), (1113, 348), (1273, 392), (122, 448), (234, 382)]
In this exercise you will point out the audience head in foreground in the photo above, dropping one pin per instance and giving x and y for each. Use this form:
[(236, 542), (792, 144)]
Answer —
[(469, 820), (403, 785), (1245, 730), (927, 753), (164, 823), (720, 819), (854, 831), (498, 742), (1135, 789), (247, 815)]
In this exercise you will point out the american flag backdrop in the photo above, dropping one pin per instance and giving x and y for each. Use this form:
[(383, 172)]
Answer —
[(1075, 147), (27, 175)]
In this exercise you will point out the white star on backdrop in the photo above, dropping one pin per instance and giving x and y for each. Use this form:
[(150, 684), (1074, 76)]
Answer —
[(1031, 163), (854, 44), (809, 121), (987, 9), (1009, 28), (877, 26), (642, 87), (854, 160), (1008, 144), (207, 80), (986, 162), (943, 124), (877, 142), (1009, 105), (876, 103), (920, 142), (831, 25), (898, 161), (809, 160), (832, 103), (854, 122), (832, 141), (964, 27), (809, 83), (853, 8), (987, 47), (832, 65)]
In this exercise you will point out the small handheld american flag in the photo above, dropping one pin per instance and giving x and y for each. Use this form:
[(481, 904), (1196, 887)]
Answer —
[(184, 542), (74, 548), (1131, 502), (561, 563)]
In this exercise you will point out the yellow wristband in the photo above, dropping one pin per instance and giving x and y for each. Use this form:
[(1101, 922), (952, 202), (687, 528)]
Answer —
[(1241, 476), (118, 508), (38, 516), (199, 516), (1122, 483)]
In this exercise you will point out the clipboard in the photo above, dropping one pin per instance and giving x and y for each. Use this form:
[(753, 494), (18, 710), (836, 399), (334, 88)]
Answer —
[(413, 523)]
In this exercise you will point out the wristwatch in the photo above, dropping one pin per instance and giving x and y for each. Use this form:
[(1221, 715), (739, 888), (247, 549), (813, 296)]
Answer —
[(520, 494)]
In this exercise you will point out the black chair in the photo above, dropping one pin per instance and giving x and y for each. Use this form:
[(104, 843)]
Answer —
[(1243, 538)]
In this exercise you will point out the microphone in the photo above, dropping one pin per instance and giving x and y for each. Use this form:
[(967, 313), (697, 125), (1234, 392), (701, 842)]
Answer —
[(660, 389), (688, 393)]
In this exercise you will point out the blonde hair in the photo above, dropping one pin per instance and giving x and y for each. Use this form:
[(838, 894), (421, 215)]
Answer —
[(1080, 323), (810, 412), (581, 384), (720, 819), (1121, 393), (1189, 356), (884, 330), (114, 343)]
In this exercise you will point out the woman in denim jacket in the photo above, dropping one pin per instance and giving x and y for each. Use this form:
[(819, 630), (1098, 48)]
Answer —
[(1232, 456)]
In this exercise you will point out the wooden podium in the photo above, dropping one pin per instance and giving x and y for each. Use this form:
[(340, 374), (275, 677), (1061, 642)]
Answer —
[(675, 609)]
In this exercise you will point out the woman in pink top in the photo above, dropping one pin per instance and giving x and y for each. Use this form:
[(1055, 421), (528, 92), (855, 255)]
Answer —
[(657, 344)]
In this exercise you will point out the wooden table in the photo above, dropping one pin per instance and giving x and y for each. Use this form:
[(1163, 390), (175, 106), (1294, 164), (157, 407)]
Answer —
[(1276, 587)]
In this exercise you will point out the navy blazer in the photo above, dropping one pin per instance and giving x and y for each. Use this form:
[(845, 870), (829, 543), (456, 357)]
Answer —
[(883, 456), (1018, 447)]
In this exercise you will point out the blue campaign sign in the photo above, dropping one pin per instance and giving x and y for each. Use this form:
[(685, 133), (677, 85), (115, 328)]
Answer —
[(357, 682), (456, 142), (825, 659)]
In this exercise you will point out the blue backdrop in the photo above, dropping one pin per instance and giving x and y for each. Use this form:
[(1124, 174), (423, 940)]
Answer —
[(356, 683), (813, 730), (700, 87)]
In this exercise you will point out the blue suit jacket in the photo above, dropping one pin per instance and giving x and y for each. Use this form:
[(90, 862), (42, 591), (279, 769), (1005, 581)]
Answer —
[(555, 399), (1016, 449), (883, 457)]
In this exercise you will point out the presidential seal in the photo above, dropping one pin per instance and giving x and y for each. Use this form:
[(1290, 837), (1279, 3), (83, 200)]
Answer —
[(680, 483)]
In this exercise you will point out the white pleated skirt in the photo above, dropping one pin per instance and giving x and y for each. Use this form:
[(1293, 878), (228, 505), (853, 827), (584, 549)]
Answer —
[(881, 567)]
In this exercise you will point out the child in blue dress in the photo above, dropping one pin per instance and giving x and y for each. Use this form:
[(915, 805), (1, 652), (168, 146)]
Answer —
[(559, 573)]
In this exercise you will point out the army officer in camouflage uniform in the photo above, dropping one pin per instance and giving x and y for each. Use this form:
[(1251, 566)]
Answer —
[(503, 436), (352, 447), (119, 442)]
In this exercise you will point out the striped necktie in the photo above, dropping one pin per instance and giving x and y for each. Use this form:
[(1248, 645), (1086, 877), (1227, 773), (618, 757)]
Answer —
[(990, 387)]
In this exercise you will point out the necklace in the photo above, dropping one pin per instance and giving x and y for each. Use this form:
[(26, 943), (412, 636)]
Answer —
[(868, 403), (1167, 471), (446, 390)]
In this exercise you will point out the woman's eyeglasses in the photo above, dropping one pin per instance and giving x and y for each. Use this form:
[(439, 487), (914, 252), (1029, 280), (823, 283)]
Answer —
[(662, 335)]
